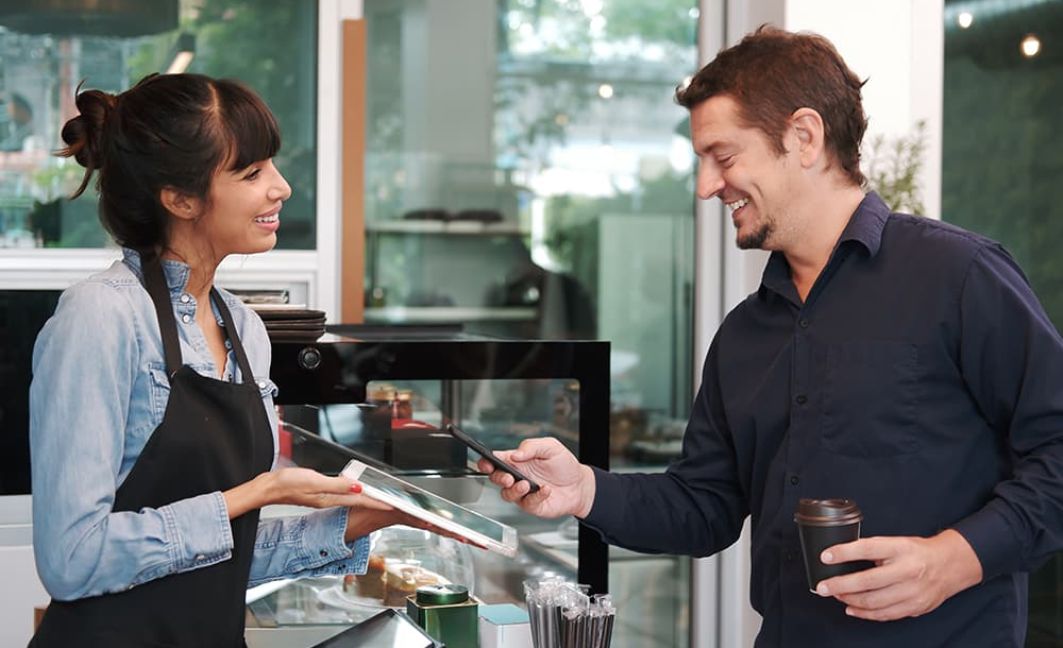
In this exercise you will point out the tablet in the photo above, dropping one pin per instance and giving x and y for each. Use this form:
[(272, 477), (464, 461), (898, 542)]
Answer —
[(434, 509)]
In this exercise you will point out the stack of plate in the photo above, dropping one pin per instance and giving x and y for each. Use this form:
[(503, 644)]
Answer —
[(291, 322)]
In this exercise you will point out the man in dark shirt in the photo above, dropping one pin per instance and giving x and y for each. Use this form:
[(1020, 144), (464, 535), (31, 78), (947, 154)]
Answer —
[(893, 360)]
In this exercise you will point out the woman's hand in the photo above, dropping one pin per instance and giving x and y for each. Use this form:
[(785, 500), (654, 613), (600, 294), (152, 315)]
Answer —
[(305, 487), (299, 486), (368, 515)]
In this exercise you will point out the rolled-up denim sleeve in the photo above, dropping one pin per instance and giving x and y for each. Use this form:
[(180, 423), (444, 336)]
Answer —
[(83, 377), (307, 545)]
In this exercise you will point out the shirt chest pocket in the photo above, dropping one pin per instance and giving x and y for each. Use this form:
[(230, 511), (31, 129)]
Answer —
[(160, 386), (870, 399)]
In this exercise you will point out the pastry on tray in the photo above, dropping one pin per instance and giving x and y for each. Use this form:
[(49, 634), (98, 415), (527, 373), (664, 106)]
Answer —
[(367, 585), (390, 581), (401, 579)]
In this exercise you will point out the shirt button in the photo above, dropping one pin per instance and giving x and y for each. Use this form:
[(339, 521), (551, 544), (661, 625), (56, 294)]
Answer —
[(200, 557), (323, 553), (803, 323), (262, 384), (795, 480), (186, 318), (185, 298), (801, 399)]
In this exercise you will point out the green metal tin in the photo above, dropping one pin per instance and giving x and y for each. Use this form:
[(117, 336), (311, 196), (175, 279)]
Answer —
[(447, 613), (442, 594)]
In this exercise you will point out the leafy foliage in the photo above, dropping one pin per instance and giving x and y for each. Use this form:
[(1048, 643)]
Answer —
[(662, 21), (893, 167)]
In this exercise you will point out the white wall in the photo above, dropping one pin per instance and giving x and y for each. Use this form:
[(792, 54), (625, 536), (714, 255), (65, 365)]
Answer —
[(898, 46), (331, 14), (22, 590)]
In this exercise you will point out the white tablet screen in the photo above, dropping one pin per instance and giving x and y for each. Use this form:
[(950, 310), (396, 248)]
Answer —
[(428, 501)]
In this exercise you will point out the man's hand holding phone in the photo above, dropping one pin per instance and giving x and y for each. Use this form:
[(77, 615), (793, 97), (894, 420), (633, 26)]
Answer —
[(489, 456), (567, 487)]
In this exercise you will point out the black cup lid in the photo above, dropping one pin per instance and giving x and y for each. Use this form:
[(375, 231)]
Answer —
[(827, 512)]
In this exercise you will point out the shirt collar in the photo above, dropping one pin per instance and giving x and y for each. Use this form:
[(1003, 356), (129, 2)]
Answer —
[(176, 272), (866, 225), (865, 228)]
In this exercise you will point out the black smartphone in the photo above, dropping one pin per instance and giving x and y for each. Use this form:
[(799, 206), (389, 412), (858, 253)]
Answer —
[(486, 453)]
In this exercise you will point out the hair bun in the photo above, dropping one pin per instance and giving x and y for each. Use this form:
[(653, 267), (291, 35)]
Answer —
[(83, 134)]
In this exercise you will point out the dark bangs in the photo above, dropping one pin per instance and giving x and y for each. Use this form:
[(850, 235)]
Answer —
[(248, 126)]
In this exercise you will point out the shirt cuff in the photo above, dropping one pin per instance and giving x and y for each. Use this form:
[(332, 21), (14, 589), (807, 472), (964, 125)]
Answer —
[(605, 514), (199, 532), (994, 542), (323, 543)]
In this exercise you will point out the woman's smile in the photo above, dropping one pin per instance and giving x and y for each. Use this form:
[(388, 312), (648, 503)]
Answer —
[(270, 221)]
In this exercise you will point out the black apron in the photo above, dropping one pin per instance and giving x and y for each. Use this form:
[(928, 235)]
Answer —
[(214, 435)]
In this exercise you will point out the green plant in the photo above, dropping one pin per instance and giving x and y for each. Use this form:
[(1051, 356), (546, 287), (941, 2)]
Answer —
[(893, 167), (58, 179)]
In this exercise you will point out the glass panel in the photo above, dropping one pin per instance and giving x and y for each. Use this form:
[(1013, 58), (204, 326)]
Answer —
[(22, 314), (1001, 158), (45, 53), (397, 430), (528, 175)]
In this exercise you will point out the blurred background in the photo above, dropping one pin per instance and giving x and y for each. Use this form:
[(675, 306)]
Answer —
[(524, 173)]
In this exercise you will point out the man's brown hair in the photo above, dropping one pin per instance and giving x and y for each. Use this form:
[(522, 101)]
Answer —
[(772, 73)]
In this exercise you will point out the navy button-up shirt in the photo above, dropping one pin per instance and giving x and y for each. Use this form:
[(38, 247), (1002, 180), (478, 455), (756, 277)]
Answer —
[(920, 378)]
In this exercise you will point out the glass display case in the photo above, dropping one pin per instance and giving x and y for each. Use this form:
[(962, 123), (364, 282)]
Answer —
[(381, 395)]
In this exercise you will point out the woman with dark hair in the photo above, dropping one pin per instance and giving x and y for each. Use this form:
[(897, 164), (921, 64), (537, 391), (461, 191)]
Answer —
[(153, 434)]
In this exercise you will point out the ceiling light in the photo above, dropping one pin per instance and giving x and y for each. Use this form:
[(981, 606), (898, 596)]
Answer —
[(1031, 46)]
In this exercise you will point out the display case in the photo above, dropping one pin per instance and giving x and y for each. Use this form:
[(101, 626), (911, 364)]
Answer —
[(381, 394)]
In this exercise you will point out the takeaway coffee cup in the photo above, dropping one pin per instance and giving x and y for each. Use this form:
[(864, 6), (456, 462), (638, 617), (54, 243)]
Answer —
[(825, 523)]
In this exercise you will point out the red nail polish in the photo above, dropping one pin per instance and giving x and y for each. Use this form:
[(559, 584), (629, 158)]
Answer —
[(356, 488)]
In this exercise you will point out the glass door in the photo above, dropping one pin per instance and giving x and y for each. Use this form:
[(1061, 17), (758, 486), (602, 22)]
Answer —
[(528, 175)]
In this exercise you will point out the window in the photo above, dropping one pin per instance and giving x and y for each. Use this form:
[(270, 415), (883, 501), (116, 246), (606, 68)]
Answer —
[(529, 175), (45, 53)]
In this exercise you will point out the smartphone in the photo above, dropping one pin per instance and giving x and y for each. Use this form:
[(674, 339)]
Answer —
[(486, 453)]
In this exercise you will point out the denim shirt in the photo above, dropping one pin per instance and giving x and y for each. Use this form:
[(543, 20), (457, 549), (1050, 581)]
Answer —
[(99, 391)]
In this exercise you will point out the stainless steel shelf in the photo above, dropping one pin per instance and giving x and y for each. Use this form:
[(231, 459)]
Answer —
[(464, 228), (443, 314)]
